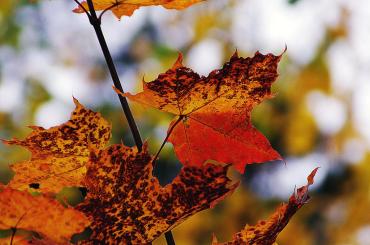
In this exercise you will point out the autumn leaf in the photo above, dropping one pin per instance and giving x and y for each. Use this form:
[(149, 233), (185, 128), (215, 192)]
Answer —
[(215, 111), (18, 240), (127, 204), (126, 8), (49, 218), (22, 240), (59, 154), (266, 232)]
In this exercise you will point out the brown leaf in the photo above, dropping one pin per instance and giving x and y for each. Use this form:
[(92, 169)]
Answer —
[(59, 154), (21, 210), (127, 7), (215, 110), (266, 232), (128, 205)]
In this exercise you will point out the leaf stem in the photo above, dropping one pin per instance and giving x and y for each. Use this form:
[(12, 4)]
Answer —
[(109, 8), (96, 23), (168, 235), (165, 139), (14, 229)]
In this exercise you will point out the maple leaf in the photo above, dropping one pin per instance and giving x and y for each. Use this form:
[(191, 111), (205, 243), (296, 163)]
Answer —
[(127, 204), (126, 8), (21, 210), (27, 240), (266, 232), (59, 154), (215, 111), (18, 240)]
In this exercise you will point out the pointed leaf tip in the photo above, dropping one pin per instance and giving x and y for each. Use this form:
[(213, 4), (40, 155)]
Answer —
[(78, 10), (214, 240), (117, 90), (76, 102), (35, 128), (235, 55), (178, 62), (310, 178)]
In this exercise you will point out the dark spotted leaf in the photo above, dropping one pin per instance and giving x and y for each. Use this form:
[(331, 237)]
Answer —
[(59, 154), (215, 110), (127, 204)]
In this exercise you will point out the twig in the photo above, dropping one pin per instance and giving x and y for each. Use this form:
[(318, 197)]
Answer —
[(168, 235), (165, 140), (14, 229), (109, 8), (169, 238), (95, 22)]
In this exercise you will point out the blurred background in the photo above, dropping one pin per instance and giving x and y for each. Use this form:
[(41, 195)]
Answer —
[(319, 117)]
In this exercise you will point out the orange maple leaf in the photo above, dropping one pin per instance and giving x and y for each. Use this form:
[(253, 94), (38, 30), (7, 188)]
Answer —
[(128, 205), (126, 8), (18, 240), (59, 154), (21, 210), (215, 111), (266, 232)]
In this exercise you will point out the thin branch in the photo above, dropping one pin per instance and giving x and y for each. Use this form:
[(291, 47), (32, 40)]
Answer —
[(165, 140), (169, 238), (109, 8), (95, 22), (83, 8), (14, 229)]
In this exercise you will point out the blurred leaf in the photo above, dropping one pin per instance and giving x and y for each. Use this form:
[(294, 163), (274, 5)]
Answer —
[(266, 232), (39, 213)]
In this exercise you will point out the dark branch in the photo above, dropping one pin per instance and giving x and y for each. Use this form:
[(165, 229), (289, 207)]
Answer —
[(14, 229), (95, 22), (169, 238)]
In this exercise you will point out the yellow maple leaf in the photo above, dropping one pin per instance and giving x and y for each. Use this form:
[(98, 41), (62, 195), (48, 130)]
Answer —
[(59, 154)]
